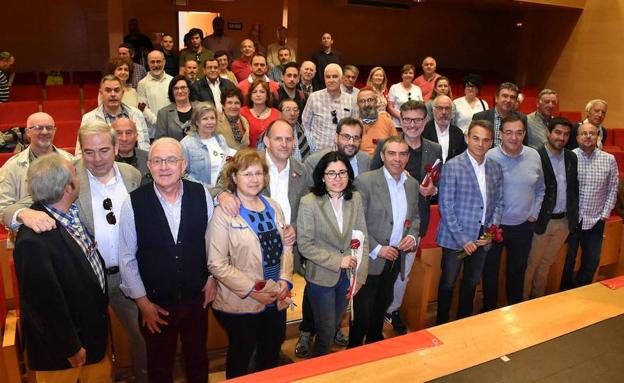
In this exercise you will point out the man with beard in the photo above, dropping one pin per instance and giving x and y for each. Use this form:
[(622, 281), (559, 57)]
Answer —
[(153, 89), (259, 68), (442, 131), (172, 60), (537, 131), (190, 69), (277, 71), (558, 215), (377, 125), (196, 51), (288, 89), (598, 187), (40, 130), (596, 112)]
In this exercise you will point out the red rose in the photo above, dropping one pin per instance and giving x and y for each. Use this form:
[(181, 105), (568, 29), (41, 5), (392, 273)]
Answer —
[(355, 244), (259, 285), (407, 224)]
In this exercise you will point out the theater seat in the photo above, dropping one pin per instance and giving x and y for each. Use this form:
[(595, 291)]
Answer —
[(26, 93), (63, 110), (616, 137), (16, 113), (428, 241), (90, 91), (86, 77), (89, 105), (63, 92), (66, 133), (4, 157), (574, 117)]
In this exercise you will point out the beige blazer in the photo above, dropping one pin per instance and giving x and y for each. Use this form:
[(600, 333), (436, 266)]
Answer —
[(235, 260), (320, 241), (224, 129)]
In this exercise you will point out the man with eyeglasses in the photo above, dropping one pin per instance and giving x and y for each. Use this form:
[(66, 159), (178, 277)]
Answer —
[(377, 125), (422, 153), (195, 50), (290, 112), (112, 108), (40, 131), (523, 193), (504, 105), (163, 263), (387, 196), (104, 186), (153, 89), (349, 78), (325, 108), (598, 187), (442, 131)]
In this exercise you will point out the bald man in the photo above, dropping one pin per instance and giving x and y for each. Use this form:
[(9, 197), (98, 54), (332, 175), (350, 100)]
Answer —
[(426, 80), (153, 90), (163, 263), (127, 151), (40, 130), (242, 67)]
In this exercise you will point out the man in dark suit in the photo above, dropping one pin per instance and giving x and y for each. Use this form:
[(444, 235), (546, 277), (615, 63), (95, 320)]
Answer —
[(62, 283), (387, 195), (422, 152), (210, 87), (505, 103), (471, 199), (442, 131), (559, 214)]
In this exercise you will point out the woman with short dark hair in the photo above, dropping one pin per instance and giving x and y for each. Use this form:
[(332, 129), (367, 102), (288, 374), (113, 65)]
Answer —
[(174, 120)]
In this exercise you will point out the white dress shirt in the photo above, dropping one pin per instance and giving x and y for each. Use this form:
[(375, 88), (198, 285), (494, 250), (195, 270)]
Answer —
[(398, 201), (107, 235), (216, 93), (279, 186), (443, 140), (480, 173)]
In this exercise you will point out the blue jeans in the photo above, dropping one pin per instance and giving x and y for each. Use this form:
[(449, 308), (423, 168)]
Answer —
[(328, 305), (591, 245), (473, 267)]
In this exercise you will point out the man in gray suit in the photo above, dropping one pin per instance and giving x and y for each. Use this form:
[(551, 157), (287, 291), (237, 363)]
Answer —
[(348, 138), (128, 152), (386, 195), (422, 153), (104, 185)]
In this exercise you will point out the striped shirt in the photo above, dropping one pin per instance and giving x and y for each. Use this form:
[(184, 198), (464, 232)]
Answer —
[(598, 186), (321, 115), (4, 87)]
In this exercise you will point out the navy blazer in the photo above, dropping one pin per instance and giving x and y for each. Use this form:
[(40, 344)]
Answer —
[(461, 205), (204, 93), (457, 142)]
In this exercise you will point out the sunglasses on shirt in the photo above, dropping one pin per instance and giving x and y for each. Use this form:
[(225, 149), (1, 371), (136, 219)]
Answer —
[(107, 204)]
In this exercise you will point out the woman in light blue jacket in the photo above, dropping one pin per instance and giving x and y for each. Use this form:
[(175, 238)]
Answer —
[(205, 151)]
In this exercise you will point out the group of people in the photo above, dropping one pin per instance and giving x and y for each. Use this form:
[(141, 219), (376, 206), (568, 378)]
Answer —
[(180, 197)]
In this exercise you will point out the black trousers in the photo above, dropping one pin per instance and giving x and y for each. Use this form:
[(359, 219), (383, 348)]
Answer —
[(189, 320), (370, 305), (264, 332)]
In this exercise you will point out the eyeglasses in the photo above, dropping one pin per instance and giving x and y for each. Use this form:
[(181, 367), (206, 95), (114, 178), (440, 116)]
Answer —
[(169, 161), (348, 137), (443, 108), (365, 101), (250, 175), (107, 204), (412, 121), (333, 175), (588, 134), (334, 117), (180, 88), (40, 128), (290, 110)]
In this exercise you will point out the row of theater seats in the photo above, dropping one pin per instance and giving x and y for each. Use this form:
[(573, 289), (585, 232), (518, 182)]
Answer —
[(74, 77)]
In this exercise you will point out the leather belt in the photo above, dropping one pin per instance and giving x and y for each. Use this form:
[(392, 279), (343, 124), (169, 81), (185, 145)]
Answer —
[(112, 270), (558, 215)]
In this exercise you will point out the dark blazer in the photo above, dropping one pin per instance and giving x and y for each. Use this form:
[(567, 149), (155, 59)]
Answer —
[(373, 187), (204, 93), (63, 305), (457, 142), (430, 152), (550, 196), (488, 115)]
